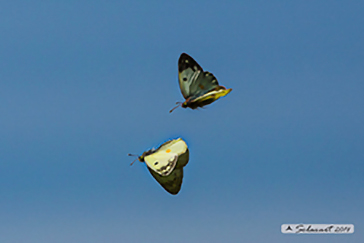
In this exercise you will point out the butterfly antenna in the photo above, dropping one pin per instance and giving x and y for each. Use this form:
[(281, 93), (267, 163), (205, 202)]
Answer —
[(178, 105), (133, 160)]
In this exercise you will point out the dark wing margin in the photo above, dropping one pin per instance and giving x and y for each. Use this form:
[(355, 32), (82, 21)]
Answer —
[(185, 61)]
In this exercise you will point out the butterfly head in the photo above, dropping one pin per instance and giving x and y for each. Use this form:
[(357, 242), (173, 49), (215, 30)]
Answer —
[(146, 153), (184, 104), (181, 104), (141, 157)]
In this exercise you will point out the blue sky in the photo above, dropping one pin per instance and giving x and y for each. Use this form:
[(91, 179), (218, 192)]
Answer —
[(84, 83)]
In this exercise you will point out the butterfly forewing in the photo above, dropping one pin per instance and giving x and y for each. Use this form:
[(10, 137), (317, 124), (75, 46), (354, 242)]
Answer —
[(165, 158), (188, 72), (177, 146), (193, 81), (161, 162)]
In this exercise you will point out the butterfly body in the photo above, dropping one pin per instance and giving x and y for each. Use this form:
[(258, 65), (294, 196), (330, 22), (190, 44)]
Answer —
[(198, 87), (166, 163)]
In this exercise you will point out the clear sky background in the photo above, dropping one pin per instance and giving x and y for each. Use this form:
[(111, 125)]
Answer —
[(83, 83)]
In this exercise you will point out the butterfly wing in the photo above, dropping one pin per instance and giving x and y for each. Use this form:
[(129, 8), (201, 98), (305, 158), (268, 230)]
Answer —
[(161, 162), (208, 97), (165, 158), (205, 83), (171, 183), (188, 73), (193, 81), (179, 147)]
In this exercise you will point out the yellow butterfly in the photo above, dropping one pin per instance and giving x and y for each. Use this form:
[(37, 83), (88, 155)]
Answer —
[(166, 163)]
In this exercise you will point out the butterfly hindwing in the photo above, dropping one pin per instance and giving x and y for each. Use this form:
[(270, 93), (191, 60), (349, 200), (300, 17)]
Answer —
[(171, 183), (205, 82)]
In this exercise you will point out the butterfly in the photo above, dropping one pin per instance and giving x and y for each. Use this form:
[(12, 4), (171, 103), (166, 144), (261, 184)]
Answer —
[(166, 163), (199, 88)]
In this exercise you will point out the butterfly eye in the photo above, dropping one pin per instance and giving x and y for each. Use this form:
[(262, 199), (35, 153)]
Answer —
[(184, 79)]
